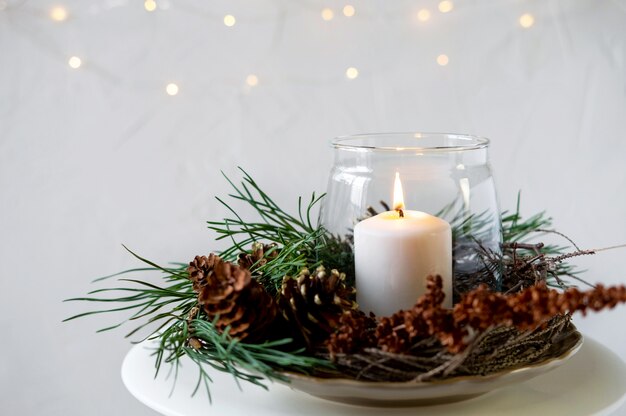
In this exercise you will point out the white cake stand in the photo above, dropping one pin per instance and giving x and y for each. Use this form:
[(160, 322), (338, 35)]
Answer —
[(592, 382)]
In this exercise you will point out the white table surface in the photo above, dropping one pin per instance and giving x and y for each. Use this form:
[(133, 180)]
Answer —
[(593, 382)]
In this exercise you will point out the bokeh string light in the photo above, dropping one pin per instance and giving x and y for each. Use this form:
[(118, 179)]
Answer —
[(59, 13), (75, 62), (171, 89), (526, 20), (349, 10), (423, 15), (352, 73), (445, 6), (327, 14), (229, 20), (252, 80), (150, 5)]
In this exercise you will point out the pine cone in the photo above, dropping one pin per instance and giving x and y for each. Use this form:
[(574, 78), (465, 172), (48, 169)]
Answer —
[(354, 333), (258, 256), (314, 303), (228, 293), (200, 267)]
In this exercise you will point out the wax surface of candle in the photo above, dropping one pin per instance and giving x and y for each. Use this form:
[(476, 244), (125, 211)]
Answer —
[(394, 255)]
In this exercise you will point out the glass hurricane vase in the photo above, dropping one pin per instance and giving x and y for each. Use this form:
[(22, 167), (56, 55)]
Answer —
[(446, 175)]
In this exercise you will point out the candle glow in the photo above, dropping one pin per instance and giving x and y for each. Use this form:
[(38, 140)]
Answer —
[(398, 195)]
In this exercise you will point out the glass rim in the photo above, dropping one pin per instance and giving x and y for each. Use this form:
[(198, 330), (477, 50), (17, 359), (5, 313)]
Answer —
[(357, 142)]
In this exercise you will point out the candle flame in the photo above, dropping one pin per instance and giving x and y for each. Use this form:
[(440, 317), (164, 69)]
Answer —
[(398, 195)]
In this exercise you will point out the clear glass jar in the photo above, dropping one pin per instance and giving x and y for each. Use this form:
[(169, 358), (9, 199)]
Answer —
[(446, 175)]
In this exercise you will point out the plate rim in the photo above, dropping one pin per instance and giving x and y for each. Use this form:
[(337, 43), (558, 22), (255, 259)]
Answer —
[(545, 364)]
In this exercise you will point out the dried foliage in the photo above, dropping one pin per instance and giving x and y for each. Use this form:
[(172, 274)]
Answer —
[(496, 349), (429, 340), (479, 310)]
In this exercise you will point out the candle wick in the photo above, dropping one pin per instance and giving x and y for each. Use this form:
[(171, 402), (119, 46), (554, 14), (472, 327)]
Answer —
[(401, 212)]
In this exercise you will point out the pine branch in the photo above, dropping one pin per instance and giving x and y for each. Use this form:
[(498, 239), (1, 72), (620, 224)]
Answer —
[(253, 363), (277, 225), (168, 307), (145, 299)]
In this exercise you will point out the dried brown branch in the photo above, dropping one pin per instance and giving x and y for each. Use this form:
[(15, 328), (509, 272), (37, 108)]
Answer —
[(485, 332), (496, 349)]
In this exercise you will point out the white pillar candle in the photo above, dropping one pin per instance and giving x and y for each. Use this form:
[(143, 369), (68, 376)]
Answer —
[(394, 252)]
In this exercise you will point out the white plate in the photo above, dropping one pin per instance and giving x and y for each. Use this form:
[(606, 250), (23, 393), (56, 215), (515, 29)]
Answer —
[(394, 394), (593, 382)]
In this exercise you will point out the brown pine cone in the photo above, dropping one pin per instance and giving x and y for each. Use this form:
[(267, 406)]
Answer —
[(228, 294), (200, 268), (354, 333), (314, 303), (258, 256)]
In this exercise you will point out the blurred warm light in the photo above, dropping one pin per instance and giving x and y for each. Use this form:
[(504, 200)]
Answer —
[(229, 20), (526, 20), (443, 60), (171, 89), (446, 6), (327, 14), (3, 5), (74, 62), (398, 194), (150, 5), (252, 80), (58, 14), (423, 15), (349, 10), (352, 72)]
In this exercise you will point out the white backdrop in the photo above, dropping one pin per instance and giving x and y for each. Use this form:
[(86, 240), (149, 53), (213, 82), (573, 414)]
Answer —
[(99, 155)]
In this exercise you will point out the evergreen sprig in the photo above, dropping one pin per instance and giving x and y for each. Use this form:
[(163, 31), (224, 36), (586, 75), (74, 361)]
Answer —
[(302, 241), (248, 362), (167, 309), (153, 305), (253, 363), (276, 225)]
